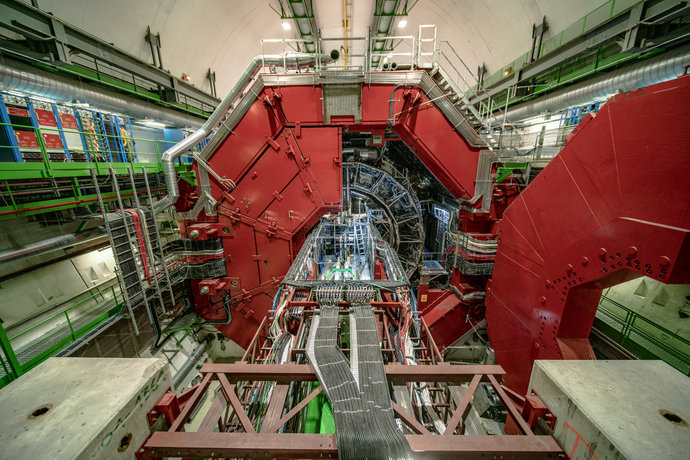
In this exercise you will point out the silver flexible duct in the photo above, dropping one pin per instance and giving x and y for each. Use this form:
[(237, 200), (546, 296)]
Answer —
[(664, 67), (31, 80), (57, 242), (174, 152)]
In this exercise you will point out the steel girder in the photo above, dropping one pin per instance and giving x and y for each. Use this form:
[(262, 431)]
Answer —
[(269, 444), (62, 39)]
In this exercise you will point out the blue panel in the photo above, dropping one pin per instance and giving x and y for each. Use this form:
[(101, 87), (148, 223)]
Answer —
[(12, 152)]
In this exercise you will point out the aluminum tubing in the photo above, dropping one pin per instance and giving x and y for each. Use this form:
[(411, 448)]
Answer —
[(235, 93), (190, 363), (664, 67), (28, 79), (37, 247)]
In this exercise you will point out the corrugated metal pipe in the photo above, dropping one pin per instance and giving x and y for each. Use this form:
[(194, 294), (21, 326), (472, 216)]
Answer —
[(663, 67), (31, 80), (174, 152), (56, 242)]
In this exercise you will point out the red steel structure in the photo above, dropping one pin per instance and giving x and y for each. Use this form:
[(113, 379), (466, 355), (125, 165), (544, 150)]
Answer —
[(281, 166), (588, 220), (612, 206), (241, 435)]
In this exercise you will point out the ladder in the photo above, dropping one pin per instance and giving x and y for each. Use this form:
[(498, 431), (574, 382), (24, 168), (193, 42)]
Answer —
[(147, 220), (360, 243), (126, 251), (426, 38), (156, 243)]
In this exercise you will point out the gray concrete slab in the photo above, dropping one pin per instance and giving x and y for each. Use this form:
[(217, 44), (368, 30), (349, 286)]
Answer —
[(96, 408), (615, 409)]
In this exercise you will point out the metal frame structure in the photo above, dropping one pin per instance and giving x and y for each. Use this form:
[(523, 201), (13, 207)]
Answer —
[(638, 25), (269, 444)]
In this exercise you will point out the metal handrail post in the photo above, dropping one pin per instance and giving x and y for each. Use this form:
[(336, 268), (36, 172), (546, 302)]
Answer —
[(69, 323), (6, 346)]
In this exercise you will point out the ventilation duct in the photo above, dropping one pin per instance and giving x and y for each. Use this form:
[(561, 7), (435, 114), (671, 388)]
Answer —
[(664, 67), (174, 152), (31, 80)]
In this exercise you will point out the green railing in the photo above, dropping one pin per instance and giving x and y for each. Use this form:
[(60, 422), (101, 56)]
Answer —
[(72, 194), (99, 154), (21, 352), (641, 336), (594, 18)]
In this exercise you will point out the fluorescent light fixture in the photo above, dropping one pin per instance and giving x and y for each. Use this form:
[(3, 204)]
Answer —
[(402, 23), (154, 124), (286, 25)]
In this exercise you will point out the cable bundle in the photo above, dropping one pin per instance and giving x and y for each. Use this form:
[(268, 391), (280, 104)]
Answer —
[(374, 386), (363, 415)]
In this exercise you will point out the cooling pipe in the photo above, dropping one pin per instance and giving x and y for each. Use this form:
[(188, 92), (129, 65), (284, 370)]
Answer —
[(364, 154), (174, 152), (191, 362), (49, 244), (31, 80), (664, 67)]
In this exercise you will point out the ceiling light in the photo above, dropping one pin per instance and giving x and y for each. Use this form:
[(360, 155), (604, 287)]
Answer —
[(286, 25), (402, 23), (154, 124)]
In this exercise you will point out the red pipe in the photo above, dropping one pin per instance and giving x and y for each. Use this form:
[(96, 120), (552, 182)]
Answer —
[(57, 205)]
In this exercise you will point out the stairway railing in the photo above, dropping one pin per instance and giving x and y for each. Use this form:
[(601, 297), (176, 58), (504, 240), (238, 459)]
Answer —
[(470, 86)]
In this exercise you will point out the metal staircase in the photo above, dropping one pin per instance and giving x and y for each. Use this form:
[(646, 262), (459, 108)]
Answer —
[(460, 101), (457, 81)]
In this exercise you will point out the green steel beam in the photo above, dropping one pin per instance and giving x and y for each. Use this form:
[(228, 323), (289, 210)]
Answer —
[(16, 369), (620, 324), (121, 86), (40, 207), (601, 27), (55, 40)]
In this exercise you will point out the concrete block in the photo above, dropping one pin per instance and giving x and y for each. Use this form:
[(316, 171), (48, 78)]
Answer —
[(79, 408), (616, 409)]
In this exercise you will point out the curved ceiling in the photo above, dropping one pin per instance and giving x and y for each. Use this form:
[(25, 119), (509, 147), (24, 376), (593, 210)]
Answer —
[(223, 35)]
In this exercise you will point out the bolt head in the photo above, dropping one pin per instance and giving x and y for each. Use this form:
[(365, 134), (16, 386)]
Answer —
[(194, 234), (204, 290)]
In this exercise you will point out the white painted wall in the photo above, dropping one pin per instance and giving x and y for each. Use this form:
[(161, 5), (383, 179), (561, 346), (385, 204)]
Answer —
[(655, 301), (224, 34)]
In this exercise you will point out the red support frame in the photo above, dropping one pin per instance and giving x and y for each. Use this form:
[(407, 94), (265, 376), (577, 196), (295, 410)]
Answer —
[(269, 444)]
